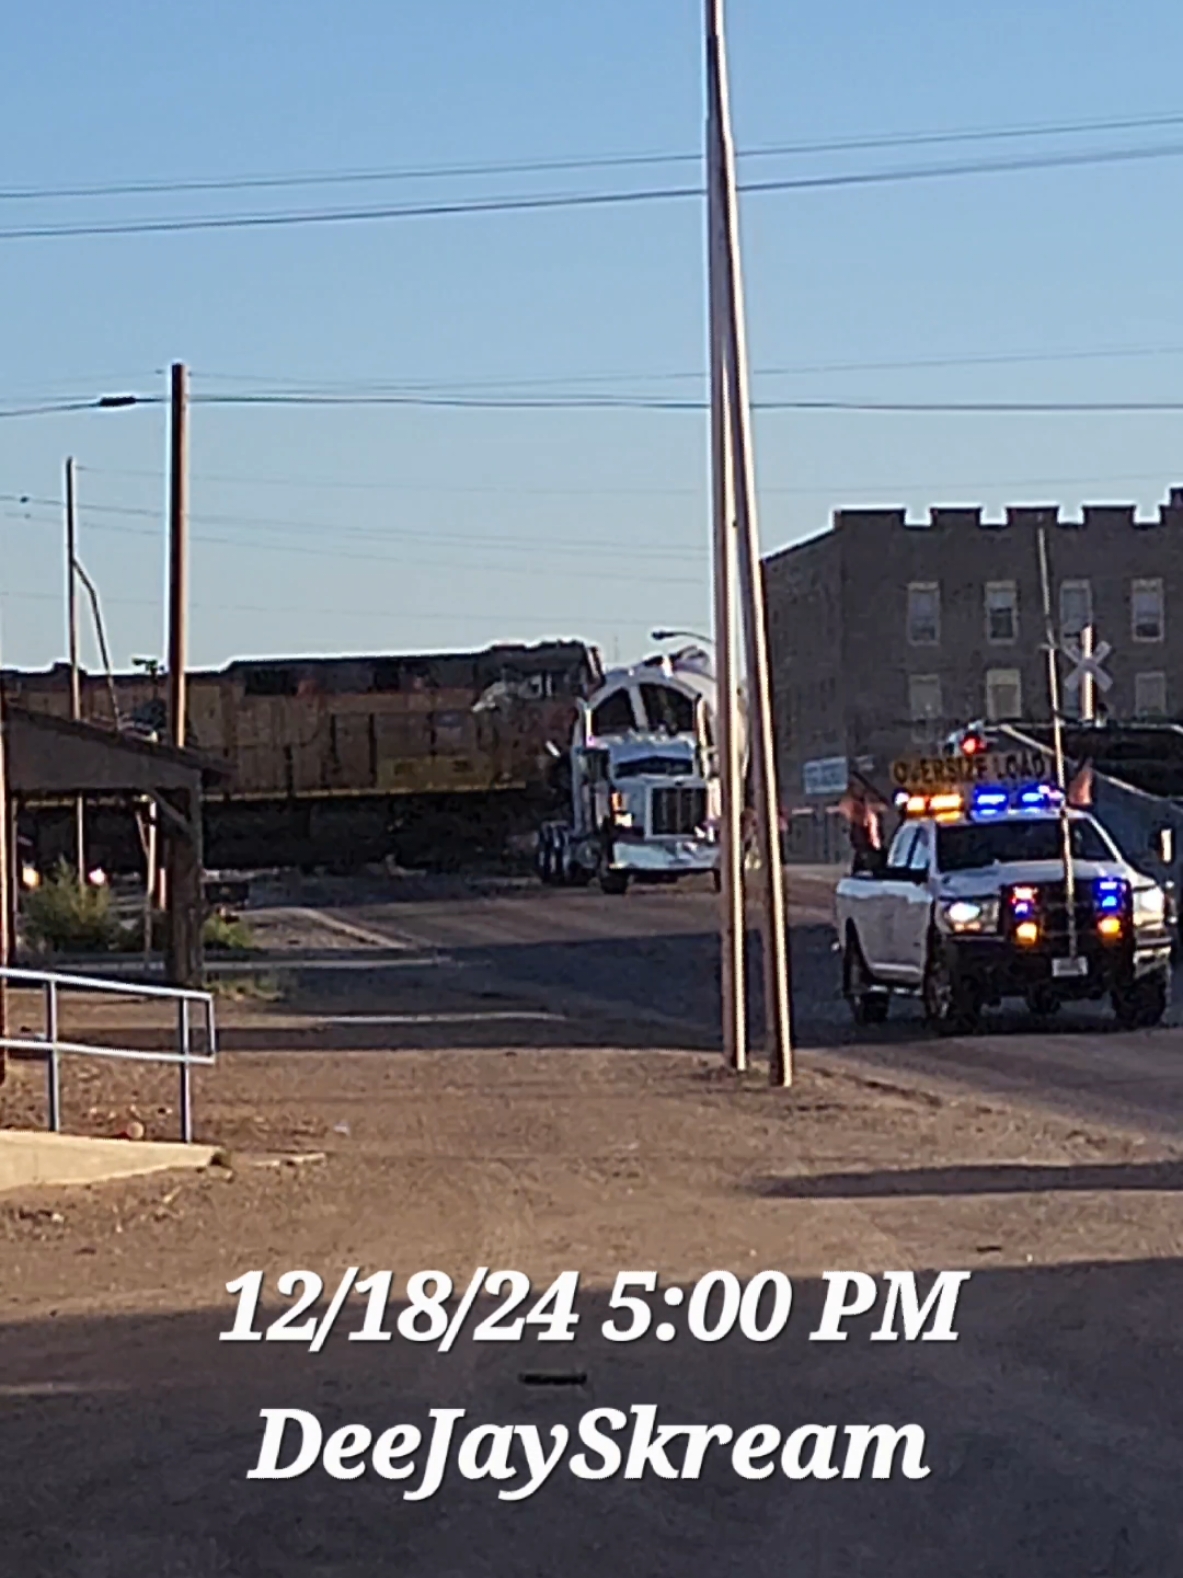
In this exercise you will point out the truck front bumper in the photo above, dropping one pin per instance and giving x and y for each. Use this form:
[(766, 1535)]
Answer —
[(1000, 968), (672, 856)]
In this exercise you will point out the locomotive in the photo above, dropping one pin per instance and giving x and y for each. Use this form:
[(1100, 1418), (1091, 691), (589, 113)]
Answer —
[(428, 759)]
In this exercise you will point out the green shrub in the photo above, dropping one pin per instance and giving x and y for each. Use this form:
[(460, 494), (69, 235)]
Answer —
[(66, 916), (227, 934)]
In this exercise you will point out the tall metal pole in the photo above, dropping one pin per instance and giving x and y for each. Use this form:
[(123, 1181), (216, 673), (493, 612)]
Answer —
[(72, 639), (1088, 696), (776, 959), (1053, 688), (178, 555), (732, 919)]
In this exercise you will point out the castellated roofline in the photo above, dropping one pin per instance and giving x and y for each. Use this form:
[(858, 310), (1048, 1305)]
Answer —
[(962, 517)]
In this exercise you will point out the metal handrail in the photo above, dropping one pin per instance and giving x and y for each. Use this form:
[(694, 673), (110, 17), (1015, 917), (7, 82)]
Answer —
[(52, 984)]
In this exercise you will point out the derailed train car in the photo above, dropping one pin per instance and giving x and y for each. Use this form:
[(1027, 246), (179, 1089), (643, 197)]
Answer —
[(430, 759)]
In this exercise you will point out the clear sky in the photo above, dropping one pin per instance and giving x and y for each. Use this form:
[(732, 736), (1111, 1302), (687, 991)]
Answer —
[(372, 528)]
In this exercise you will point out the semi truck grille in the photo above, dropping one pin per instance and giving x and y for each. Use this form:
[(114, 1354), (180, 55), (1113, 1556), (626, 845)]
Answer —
[(678, 810)]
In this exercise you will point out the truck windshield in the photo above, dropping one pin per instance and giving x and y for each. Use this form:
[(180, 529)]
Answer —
[(985, 843), (668, 709)]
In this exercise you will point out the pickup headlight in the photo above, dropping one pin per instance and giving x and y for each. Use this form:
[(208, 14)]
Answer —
[(970, 915), (1150, 906)]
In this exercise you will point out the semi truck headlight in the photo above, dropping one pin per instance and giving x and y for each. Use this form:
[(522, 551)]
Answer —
[(1150, 906), (962, 915)]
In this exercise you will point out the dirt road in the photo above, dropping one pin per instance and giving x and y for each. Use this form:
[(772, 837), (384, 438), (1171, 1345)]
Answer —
[(1053, 1424)]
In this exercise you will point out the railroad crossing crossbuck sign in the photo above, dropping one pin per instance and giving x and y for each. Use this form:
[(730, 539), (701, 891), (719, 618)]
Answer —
[(1088, 666)]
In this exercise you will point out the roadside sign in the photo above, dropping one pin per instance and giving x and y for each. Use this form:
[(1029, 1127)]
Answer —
[(1088, 666), (952, 772), (826, 775)]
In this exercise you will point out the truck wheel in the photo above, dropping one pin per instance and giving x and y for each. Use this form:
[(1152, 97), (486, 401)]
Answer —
[(952, 1007), (868, 1005), (1139, 1005), (543, 859), (615, 882)]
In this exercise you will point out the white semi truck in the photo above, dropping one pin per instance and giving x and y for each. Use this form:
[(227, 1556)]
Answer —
[(642, 779)]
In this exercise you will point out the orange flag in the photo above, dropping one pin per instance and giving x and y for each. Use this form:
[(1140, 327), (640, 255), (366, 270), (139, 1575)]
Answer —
[(1080, 790)]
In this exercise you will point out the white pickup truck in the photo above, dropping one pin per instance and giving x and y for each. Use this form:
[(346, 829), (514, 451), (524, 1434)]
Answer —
[(969, 907)]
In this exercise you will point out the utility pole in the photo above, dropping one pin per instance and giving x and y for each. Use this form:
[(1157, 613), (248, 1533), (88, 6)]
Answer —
[(728, 309), (183, 886), (732, 915), (178, 554), (1053, 689), (72, 639)]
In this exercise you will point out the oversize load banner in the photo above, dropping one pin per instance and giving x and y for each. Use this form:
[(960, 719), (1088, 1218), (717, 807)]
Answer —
[(952, 772)]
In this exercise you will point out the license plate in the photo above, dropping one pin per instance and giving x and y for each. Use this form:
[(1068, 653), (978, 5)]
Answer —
[(1062, 967)]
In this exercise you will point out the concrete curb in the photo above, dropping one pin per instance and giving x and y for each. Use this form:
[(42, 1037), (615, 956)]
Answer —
[(29, 1158)]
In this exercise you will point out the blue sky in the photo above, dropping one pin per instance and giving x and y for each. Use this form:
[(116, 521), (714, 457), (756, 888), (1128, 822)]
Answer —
[(399, 528)]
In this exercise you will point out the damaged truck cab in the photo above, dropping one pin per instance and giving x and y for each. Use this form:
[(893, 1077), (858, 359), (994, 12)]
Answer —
[(643, 781)]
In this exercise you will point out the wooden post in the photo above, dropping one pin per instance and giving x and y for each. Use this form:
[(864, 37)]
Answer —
[(734, 339)]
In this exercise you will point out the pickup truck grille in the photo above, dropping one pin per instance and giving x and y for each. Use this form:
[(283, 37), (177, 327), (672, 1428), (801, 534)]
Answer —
[(677, 810), (1053, 909)]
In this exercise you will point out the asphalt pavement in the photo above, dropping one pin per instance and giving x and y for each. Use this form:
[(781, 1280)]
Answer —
[(653, 953)]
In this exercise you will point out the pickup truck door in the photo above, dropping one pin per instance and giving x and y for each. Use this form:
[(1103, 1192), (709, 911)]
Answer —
[(878, 930), (914, 908)]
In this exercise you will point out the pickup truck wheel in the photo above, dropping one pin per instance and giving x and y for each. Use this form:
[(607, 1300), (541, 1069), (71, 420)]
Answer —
[(951, 1007), (868, 1005), (1141, 1004)]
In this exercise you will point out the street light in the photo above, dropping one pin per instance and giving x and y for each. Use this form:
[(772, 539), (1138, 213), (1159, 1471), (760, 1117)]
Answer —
[(671, 635)]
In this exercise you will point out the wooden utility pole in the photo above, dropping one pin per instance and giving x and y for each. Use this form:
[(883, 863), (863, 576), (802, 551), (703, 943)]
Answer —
[(728, 305), (178, 554), (72, 642), (732, 917), (183, 887)]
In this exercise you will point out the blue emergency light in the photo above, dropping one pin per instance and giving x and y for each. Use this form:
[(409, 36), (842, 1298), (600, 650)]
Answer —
[(989, 802), (1108, 894)]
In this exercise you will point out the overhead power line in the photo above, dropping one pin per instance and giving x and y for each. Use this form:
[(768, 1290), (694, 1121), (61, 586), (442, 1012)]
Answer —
[(543, 202), (539, 166), (312, 400)]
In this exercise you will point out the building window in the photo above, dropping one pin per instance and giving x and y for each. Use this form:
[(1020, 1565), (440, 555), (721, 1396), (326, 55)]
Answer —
[(1146, 610), (924, 705), (1150, 695), (924, 614), (1002, 612), (1004, 695), (1076, 607)]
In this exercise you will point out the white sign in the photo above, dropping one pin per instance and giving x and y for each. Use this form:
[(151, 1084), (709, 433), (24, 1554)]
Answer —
[(1088, 666), (826, 775)]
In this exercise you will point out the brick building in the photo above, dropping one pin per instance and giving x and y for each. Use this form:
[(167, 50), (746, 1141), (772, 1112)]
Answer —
[(887, 633)]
